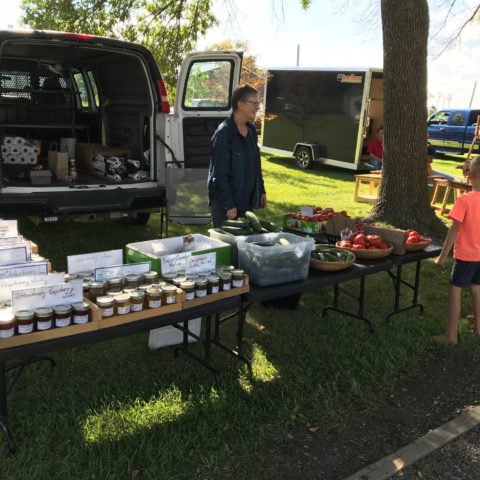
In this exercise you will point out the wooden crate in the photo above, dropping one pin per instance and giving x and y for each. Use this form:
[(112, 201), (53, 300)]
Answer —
[(213, 297), (143, 314), (53, 333)]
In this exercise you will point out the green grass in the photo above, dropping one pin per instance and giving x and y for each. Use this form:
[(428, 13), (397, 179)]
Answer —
[(112, 409)]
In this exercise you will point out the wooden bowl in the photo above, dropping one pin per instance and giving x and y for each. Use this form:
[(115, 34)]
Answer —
[(416, 247), (369, 253), (330, 266)]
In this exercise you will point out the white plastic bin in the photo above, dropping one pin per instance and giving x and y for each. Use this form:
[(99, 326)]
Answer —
[(166, 336), (275, 264)]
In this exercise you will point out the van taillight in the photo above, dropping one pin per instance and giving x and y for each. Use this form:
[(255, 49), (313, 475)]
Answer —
[(163, 95), (78, 36)]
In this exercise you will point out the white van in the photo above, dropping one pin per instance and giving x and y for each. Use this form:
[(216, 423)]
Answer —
[(102, 104)]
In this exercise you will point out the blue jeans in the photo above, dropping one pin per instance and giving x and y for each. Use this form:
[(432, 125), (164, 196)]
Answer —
[(377, 164)]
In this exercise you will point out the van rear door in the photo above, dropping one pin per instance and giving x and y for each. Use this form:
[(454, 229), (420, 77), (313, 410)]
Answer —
[(204, 91)]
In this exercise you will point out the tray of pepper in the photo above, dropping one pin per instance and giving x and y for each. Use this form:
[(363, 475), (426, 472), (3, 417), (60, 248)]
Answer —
[(327, 258)]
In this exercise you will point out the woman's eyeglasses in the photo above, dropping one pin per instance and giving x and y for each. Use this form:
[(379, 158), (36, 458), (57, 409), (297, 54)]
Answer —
[(257, 104)]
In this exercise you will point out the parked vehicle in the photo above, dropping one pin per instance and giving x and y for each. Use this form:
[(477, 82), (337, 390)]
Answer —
[(106, 101), (453, 130), (323, 115)]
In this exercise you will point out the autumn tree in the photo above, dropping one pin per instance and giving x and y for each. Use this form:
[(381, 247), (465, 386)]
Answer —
[(168, 28)]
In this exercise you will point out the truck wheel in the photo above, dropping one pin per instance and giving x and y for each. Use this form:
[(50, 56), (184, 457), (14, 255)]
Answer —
[(140, 219), (303, 158)]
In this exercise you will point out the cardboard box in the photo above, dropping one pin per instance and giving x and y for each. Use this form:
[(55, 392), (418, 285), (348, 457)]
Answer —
[(41, 177), (85, 153), (304, 225)]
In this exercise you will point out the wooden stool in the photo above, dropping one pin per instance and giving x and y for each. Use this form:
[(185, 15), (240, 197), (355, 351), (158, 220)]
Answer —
[(373, 180), (458, 188)]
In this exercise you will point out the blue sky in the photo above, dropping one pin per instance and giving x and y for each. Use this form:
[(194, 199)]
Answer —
[(338, 33)]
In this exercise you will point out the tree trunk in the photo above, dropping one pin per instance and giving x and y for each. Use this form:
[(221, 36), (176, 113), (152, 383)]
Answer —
[(404, 198)]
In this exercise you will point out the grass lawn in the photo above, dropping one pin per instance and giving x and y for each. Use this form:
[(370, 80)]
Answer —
[(114, 409)]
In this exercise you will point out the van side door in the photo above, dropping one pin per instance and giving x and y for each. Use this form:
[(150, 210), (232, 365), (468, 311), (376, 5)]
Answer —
[(455, 131), (436, 128)]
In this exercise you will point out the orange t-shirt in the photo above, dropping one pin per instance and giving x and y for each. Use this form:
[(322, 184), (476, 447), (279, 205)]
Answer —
[(467, 211)]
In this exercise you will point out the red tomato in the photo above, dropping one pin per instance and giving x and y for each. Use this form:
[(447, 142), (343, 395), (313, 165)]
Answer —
[(360, 238), (373, 239), (411, 240)]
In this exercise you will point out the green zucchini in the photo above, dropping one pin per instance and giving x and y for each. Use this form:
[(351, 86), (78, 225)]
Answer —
[(269, 226), (236, 223), (253, 221)]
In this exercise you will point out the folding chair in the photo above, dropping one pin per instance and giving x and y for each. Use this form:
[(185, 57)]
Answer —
[(187, 198)]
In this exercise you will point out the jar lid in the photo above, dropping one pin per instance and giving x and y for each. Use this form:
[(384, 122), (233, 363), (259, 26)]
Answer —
[(70, 276), (169, 276), (213, 278), (115, 281), (225, 275), (97, 284), (144, 288), (238, 272), (187, 284), (104, 301), (84, 274), (178, 280), (129, 290), (150, 275), (43, 312), (85, 285), (201, 282), (132, 277), (169, 288), (228, 268), (122, 297), (159, 285), (24, 314), (137, 294), (6, 316), (62, 309), (82, 306), (154, 291)]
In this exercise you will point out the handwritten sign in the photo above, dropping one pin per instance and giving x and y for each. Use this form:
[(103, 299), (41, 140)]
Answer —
[(16, 283), (8, 228), (15, 254), (23, 269), (10, 240), (122, 270), (47, 296), (201, 263), (88, 262), (175, 262), (27, 245)]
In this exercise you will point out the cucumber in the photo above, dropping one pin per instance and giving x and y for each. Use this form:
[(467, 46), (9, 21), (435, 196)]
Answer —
[(236, 223), (283, 241), (237, 230), (269, 226), (253, 221)]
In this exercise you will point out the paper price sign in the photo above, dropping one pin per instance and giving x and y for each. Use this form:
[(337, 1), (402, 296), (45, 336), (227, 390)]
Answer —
[(201, 263), (47, 296), (8, 228), (121, 270), (13, 254), (23, 269), (19, 283), (10, 240), (88, 262), (175, 262)]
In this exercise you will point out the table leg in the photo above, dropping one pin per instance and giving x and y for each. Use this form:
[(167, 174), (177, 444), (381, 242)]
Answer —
[(446, 195), (4, 421), (357, 186)]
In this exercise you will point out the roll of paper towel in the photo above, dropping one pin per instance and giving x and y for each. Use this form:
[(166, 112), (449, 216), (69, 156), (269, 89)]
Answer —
[(18, 141), (68, 145)]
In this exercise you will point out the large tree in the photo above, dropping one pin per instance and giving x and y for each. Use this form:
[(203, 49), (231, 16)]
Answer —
[(168, 28)]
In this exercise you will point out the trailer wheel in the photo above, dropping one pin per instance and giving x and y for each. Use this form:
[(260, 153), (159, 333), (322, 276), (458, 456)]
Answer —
[(303, 158)]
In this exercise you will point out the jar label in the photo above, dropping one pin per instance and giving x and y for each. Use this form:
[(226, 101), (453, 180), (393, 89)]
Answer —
[(226, 286), (80, 318), (25, 328), (136, 307), (154, 303), (7, 333), (215, 289), (44, 325), (237, 283), (123, 310), (200, 293), (62, 322), (189, 295), (170, 300), (107, 312)]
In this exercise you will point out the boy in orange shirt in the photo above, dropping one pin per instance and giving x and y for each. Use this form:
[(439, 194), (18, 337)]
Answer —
[(465, 234)]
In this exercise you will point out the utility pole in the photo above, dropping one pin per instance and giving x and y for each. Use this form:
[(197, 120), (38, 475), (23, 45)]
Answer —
[(298, 54), (473, 94)]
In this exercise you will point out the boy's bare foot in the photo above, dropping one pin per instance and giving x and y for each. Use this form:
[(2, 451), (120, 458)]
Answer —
[(444, 339)]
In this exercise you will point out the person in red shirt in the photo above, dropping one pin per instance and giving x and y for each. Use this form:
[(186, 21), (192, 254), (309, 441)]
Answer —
[(375, 150), (464, 235)]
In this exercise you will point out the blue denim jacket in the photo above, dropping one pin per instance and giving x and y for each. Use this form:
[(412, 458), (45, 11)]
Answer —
[(235, 176)]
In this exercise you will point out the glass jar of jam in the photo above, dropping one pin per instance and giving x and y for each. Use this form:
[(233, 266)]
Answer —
[(7, 323), (201, 287), (168, 277), (115, 284), (169, 294), (81, 313), (86, 288), (178, 280), (132, 280), (149, 278), (43, 318), (106, 305), (137, 300), (122, 302), (154, 297), (188, 286), (237, 277), (62, 315), (225, 280), (96, 289), (24, 319), (213, 284)]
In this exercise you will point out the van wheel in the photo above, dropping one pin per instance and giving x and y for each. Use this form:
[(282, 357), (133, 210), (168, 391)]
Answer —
[(140, 219), (303, 158)]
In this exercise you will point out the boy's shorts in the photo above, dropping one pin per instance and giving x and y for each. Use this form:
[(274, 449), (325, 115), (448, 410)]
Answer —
[(465, 274)]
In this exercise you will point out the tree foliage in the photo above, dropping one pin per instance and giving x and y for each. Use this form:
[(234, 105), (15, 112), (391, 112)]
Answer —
[(169, 28)]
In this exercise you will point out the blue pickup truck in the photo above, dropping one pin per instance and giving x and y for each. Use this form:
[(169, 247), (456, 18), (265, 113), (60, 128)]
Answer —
[(453, 130)]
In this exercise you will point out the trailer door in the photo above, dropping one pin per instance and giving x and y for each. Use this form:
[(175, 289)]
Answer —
[(203, 101)]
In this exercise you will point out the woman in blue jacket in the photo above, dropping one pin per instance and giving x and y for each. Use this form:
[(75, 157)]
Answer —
[(235, 182)]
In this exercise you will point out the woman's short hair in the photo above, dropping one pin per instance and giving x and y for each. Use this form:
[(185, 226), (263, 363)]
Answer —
[(241, 92)]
